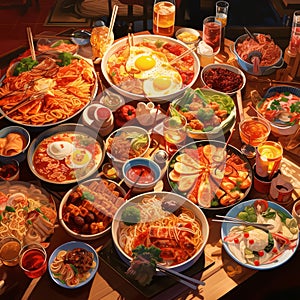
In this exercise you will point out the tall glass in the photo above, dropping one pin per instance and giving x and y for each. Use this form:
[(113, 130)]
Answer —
[(294, 45), (222, 12), (212, 30), (174, 129), (164, 17), (253, 132)]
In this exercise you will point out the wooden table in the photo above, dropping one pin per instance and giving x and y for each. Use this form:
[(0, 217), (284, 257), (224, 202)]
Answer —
[(107, 284)]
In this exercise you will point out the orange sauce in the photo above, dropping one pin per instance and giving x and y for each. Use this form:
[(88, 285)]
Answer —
[(147, 176)]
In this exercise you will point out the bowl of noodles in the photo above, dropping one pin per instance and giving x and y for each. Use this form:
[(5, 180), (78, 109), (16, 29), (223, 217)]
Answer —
[(164, 220), (147, 68), (48, 91), (271, 54)]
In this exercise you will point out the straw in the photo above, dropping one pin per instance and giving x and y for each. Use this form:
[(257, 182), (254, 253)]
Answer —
[(31, 45), (275, 168), (112, 20)]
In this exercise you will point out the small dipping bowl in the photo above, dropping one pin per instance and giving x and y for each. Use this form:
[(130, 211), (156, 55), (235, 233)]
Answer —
[(109, 171), (189, 36), (9, 171)]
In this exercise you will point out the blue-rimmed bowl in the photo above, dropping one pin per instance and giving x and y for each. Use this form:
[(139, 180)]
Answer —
[(280, 130), (70, 246), (141, 163), (248, 67), (21, 156)]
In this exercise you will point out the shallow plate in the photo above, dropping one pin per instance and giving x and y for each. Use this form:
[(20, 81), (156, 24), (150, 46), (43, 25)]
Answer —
[(230, 150), (71, 246), (226, 228)]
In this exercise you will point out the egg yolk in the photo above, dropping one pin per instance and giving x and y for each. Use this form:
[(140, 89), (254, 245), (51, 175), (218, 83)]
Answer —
[(144, 63), (162, 83), (80, 157)]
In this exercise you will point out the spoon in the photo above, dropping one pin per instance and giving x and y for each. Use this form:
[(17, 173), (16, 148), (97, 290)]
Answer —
[(78, 34), (253, 37)]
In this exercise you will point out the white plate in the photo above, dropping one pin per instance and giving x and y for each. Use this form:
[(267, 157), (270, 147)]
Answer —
[(227, 226), (71, 246)]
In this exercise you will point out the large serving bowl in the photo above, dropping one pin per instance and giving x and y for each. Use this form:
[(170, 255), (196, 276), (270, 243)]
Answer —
[(183, 104), (97, 196), (66, 154), (196, 171), (179, 202), (138, 39), (46, 94), (120, 144), (284, 93), (223, 78), (248, 67), (15, 141)]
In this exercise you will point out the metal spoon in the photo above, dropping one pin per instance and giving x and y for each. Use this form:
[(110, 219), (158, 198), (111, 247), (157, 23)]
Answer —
[(78, 34), (253, 37)]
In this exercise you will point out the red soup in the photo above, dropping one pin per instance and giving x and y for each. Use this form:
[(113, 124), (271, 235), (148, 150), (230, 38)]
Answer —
[(147, 176)]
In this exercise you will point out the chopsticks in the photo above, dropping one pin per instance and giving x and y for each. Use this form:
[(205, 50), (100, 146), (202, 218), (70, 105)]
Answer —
[(240, 105), (182, 55), (134, 184), (31, 45), (130, 40), (227, 219), (112, 20)]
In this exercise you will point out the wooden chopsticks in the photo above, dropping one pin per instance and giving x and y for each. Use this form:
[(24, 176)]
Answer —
[(112, 20), (182, 55), (130, 39), (30, 41)]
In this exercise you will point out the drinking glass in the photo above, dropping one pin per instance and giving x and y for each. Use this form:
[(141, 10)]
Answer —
[(294, 44), (33, 260), (9, 250), (212, 31), (253, 132), (174, 130), (222, 12), (164, 17)]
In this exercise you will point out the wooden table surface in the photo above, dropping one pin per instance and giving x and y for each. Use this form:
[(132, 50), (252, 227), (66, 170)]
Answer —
[(108, 284)]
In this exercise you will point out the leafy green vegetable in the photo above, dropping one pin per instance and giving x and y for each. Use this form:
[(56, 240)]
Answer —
[(205, 114), (25, 64), (65, 58), (59, 42), (153, 251), (131, 215), (268, 214), (10, 209), (87, 195), (270, 245), (295, 107), (275, 105), (74, 268)]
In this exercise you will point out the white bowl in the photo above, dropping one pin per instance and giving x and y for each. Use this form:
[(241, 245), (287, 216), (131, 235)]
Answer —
[(66, 226), (141, 162), (225, 67), (24, 134), (189, 36), (126, 129), (181, 202), (137, 39)]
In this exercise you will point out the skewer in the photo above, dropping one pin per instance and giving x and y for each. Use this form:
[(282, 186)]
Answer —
[(182, 55), (31, 45), (112, 20), (240, 105)]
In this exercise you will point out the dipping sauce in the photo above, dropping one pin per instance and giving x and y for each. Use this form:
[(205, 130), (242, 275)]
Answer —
[(9, 171), (147, 176)]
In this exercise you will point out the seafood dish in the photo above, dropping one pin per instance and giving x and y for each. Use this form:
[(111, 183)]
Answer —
[(65, 154), (168, 222), (86, 211), (48, 90), (207, 112), (209, 175), (26, 212), (73, 264), (261, 248)]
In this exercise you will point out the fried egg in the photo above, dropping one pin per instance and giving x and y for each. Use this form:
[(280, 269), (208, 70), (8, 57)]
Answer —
[(79, 158), (167, 82), (59, 150), (144, 63)]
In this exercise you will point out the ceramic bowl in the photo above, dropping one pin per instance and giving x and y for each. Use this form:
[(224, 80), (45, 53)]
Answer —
[(140, 164), (229, 76), (189, 36), (23, 135), (179, 201)]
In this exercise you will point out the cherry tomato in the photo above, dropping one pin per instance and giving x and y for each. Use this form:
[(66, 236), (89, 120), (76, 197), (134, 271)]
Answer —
[(262, 203), (246, 235), (275, 250), (256, 263), (261, 253), (236, 240), (251, 242)]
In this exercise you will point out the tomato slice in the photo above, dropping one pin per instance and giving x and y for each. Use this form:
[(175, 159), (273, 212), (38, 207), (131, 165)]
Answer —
[(261, 205)]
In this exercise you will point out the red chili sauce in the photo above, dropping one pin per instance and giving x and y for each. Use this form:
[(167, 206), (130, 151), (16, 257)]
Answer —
[(147, 176)]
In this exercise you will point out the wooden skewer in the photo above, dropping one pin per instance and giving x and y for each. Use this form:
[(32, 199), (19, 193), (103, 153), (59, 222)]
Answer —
[(112, 20), (182, 55), (240, 105), (31, 45)]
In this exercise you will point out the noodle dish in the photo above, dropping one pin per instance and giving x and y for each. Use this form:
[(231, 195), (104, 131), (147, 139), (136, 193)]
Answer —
[(208, 113), (48, 91), (73, 264), (26, 212), (256, 248), (209, 175), (146, 69), (66, 154), (175, 226)]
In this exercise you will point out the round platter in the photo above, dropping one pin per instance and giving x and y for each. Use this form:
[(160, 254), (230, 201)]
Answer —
[(282, 257), (70, 246), (83, 153), (197, 171)]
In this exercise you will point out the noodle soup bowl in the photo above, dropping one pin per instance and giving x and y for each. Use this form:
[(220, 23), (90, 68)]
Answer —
[(144, 202), (249, 67), (16, 145)]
